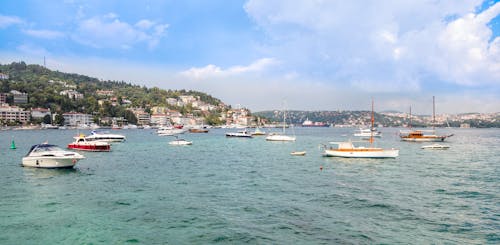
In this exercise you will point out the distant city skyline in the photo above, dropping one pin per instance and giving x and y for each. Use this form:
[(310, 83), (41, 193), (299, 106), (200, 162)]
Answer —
[(315, 55)]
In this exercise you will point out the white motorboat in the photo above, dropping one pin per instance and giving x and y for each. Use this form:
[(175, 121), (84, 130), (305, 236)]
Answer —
[(169, 131), (241, 134), (50, 156), (180, 142), (436, 147), (106, 137), (367, 133)]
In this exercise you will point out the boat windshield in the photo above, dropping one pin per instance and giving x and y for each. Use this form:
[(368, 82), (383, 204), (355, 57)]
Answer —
[(43, 148)]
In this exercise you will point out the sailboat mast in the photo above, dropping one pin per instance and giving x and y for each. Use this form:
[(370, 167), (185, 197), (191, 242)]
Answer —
[(373, 121), (410, 117), (284, 120), (433, 114)]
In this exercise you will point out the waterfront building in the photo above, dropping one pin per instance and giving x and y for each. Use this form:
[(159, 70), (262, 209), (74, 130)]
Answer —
[(74, 119), (39, 112), (14, 113), (160, 119)]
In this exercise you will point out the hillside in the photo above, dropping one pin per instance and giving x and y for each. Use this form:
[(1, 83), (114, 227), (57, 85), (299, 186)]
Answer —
[(44, 88)]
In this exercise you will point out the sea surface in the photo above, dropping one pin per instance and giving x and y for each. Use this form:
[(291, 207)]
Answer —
[(234, 191)]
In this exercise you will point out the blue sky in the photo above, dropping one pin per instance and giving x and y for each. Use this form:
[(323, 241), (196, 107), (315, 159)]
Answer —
[(315, 55)]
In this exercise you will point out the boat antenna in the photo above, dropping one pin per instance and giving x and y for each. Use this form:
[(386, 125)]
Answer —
[(410, 117), (373, 121), (433, 114)]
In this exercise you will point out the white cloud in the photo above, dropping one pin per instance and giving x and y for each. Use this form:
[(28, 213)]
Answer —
[(215, 71), (46, 34), (6, 21), (382, 45), (109, 32)]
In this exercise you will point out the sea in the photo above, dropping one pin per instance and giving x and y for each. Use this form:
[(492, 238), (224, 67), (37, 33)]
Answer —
[(249, 191)]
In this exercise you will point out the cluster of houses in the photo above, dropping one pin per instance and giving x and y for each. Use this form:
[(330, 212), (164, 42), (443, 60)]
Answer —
[(157, 116)]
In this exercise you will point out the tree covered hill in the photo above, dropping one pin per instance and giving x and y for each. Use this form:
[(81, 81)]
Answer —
[(44, 87)]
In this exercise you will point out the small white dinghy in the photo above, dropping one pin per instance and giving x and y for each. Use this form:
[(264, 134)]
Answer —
[(178, 141), (435, 147), (298, 153)]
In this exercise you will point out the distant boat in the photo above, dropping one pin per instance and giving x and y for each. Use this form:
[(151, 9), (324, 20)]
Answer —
[(50, 156), (82, 144), (298, 153), (257, 131), (106, 137), (347, 149), (178, 141), (309, 123), (368, 132), (239, 134), (283, 136), (436, 147), (198, 130), (169, 131), (423, 135)]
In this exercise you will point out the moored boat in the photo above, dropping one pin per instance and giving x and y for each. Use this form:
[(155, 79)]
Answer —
[(423, 135), (347, 148), (239, 134), (198, 130), (50, 156), (82, 144), (283, 136), (106, 137), (309, 123), (436, 147), (298, 153)]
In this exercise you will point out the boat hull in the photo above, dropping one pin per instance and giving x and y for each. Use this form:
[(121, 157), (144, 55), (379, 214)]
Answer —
[(424, 139), (50, 162), (364, 153), (90, 147), (277, 137)]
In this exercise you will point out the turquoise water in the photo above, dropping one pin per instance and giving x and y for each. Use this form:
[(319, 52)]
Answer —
[(233, 191)]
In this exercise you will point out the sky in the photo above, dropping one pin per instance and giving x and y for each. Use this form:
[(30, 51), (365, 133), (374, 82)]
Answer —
[(264, 54)]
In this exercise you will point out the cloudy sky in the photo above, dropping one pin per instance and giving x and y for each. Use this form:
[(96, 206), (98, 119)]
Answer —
[(313, 54)]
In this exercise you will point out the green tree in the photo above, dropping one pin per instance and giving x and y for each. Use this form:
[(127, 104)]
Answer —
[(59, 120), (46, 119)]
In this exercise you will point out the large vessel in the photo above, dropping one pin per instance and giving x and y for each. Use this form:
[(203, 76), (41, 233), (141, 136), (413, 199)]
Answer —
[(309, 123), (347, 149), (423, 135), (106, 137), (82, 144), (50, 156)]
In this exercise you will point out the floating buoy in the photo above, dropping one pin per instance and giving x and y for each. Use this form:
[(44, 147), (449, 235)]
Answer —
[(13, 145)]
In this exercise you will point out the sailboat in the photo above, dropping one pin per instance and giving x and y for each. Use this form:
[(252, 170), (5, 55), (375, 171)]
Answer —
[(424, 135), (347, 148), (283, 136), (257, 131)]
